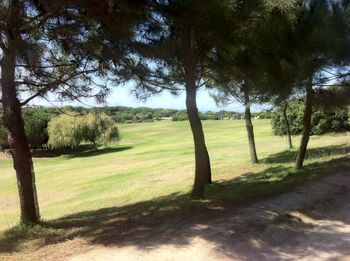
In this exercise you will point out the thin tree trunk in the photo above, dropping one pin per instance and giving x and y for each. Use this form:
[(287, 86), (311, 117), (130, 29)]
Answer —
[(250, 129), (202, 167), (202, 160), (22, 159), (250, 133), (307, 126), (289, 136)]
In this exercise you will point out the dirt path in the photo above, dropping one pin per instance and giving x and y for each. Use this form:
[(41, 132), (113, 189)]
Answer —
[(310, 223)]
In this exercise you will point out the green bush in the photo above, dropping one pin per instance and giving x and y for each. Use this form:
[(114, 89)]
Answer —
[(70, 129), (35, 125), (99, 129), (324, 120), (65, 131)]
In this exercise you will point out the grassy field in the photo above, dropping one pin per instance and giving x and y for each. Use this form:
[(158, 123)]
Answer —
[(156, 160)]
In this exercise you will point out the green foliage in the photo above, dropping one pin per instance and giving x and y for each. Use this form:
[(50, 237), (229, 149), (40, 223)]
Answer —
[(99, 129), (324, 120), (330, 120), (35, 125), (36, 122), (121, 114), (70, 129), (209, 115), (262, 114), (65, 131), (180, 116)]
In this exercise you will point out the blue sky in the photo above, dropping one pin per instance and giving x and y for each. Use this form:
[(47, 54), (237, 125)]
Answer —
[(121, 96)]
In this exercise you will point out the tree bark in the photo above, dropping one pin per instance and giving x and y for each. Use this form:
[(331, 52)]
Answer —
[(289, 136), (202, 160), (250, 129), (190, 58), (22, 159), (250, 133), (307, 126)]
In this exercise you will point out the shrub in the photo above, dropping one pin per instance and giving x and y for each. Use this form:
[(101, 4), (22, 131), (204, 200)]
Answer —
[(35, 125), (180, 116), (69, 130), (324, 120), (65, 131), (99, 129)]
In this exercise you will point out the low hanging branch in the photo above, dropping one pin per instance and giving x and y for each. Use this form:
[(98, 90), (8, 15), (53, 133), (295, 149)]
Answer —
[(54, 84)]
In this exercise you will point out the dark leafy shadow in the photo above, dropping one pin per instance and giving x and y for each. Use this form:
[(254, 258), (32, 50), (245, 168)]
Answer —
[(289, 156), (176, 220), (86, 150)]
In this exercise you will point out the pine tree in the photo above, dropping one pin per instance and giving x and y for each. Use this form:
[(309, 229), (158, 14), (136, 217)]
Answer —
[(248, 69), (48, 48), (320, 43), (173, 53)]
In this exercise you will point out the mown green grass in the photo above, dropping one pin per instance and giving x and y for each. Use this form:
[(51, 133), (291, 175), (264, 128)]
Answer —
[(154, 160)]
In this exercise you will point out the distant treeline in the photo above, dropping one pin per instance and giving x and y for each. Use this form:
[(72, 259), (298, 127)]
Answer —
[(121, 114), (72, 125)]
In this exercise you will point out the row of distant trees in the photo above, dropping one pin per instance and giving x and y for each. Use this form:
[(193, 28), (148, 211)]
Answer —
[(122, 114), (68, 127)]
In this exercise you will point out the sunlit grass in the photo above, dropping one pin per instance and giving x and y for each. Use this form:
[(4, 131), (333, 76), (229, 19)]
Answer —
[(156, 159)]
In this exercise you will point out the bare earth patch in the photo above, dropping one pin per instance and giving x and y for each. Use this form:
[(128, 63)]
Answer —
[(312, 222)]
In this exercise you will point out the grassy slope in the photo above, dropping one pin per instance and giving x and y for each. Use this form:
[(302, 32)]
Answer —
[(156, 159)]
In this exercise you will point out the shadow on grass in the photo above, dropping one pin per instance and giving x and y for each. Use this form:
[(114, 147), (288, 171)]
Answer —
[(289, 156), (176, 220), (273, 180), (85, 150)]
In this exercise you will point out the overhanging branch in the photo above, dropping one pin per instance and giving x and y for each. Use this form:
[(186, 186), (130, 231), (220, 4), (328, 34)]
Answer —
[(51, 85)]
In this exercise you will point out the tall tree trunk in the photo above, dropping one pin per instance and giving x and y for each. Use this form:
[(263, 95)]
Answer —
[(250, 129), (202, 167), (22, 159), (307, 126), (289, 136), (250, 132), (202, 160)]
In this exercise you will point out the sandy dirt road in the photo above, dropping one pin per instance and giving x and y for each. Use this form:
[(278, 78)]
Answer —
[(312, 222)]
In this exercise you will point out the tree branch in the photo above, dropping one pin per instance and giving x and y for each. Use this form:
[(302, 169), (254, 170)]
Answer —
[(44, 67), (51, 85)]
